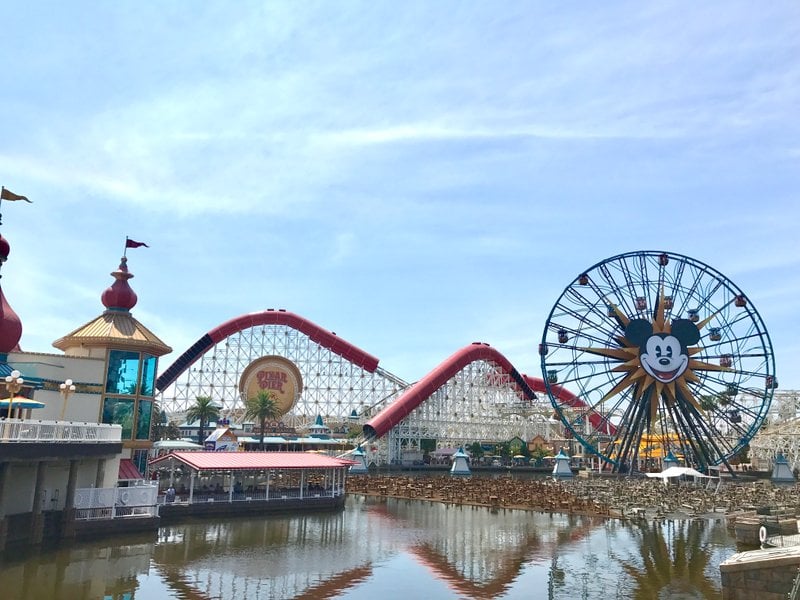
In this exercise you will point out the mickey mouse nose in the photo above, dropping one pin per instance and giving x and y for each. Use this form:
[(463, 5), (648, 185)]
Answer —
[(664, 361)]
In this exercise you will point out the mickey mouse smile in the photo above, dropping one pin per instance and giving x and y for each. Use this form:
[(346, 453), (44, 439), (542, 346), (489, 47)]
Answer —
[(663, 356)]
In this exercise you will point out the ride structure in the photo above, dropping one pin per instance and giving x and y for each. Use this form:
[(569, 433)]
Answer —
[(311, 371), (475, 395), (657, 346)]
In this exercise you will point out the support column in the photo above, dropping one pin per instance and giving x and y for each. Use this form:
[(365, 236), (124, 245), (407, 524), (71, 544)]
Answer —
[(302, 481), (37, 519), (68, 516), (191, 487), (230, 487), (100, 478), (4, 476)]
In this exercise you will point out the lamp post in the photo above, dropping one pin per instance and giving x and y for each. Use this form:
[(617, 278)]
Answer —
[(13, 386), (66, 388)]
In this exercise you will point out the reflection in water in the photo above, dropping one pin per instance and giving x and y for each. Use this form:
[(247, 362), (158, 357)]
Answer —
[(672, 566), (388, 547), (109, 569)]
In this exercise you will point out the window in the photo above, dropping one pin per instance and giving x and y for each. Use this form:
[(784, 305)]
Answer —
[(140, 460), (143, 421), (117, 411), (123, 371), (148, 375)]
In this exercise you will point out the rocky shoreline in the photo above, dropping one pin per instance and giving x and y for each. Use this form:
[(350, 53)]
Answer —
[(622, 497)]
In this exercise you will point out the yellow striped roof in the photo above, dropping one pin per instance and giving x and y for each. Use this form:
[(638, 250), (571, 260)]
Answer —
[(114, 328)]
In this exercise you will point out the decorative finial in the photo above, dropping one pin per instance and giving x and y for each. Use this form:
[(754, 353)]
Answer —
[(120, 296)]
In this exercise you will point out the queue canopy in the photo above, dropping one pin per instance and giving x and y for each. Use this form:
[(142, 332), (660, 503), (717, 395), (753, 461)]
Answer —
[(677, 472)]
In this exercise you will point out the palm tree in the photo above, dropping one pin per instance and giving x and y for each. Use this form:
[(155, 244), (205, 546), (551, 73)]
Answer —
[(158, 423), (203, 410), (262, 407)]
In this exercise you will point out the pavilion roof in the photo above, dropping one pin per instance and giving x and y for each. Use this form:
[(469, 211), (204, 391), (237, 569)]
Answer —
[(253, 461)]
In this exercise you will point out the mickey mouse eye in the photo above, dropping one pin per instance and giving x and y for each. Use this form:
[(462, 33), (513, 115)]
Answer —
[(669, 351)]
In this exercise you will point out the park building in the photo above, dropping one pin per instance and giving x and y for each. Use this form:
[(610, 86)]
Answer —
[(74, 437)]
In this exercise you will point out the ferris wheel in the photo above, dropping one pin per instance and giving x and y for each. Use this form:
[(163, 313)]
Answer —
[(650, 353)]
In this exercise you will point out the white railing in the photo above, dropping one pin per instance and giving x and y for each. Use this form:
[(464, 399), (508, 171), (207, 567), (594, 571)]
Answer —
[(113, 503), (27, 430), (201, 497)]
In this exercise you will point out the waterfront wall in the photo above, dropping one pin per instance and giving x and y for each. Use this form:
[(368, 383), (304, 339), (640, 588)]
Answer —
[(171, 513), (762, 574)]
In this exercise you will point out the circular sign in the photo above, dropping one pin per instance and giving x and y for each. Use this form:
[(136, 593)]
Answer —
[(276, 375)]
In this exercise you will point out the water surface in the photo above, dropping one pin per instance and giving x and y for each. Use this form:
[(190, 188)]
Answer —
[(387, 548)]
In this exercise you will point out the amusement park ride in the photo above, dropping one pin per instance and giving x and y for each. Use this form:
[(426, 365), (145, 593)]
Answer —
[(642, 354), (658, 345)]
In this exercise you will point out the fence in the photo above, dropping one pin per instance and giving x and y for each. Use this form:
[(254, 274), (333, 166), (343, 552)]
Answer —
[(29, 431), (113, 503)]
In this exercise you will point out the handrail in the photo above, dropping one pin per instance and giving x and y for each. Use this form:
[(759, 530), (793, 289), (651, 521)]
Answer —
[(33, 431)]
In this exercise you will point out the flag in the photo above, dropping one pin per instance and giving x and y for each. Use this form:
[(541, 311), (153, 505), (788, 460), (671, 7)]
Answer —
[(9, 195), (129, 243)]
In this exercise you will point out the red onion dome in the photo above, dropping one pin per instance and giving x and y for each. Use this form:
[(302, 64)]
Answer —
[(10, 326), (5, 249), (120, 296)]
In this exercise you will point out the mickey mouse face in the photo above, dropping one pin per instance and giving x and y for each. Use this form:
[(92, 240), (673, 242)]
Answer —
[(664, 359), (663, 356)]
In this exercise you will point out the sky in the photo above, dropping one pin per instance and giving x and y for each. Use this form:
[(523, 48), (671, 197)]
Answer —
[(414, 176)]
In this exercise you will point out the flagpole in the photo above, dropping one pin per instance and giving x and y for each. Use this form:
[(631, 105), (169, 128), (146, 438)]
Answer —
[(125, 251)]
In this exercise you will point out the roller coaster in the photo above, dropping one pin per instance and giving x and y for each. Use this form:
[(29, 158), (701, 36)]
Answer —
[(474, 395)]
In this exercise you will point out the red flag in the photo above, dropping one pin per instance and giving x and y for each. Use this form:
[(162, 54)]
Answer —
[(129, 243), (9, 195)]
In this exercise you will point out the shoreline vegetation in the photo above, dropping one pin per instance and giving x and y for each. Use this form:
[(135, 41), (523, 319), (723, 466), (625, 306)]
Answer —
[(614, 497)]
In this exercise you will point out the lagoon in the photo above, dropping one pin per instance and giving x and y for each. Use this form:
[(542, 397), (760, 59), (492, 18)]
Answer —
[(387, 548)]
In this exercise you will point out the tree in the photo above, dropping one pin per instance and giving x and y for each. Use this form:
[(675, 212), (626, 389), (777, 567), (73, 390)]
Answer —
[(203, 410), (475, 449), (172, 431), (262, 407), (158, 423), (538, 454)]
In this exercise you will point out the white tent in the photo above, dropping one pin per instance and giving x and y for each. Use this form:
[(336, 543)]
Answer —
[(677, 472)]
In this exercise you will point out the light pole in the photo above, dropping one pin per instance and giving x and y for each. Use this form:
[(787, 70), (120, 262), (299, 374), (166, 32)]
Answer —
[(13, 386), (66, 388)]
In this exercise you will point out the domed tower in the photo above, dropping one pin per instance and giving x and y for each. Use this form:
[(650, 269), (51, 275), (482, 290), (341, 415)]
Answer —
[(10, 325), (131, 353)]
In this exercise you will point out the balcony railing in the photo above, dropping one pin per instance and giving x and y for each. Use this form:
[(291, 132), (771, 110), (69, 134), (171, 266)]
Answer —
[(114, 503), (31, 431)]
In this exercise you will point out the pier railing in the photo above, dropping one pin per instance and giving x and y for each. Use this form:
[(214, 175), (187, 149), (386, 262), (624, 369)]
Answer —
[(112, 503), (199, 497), (30, 431)]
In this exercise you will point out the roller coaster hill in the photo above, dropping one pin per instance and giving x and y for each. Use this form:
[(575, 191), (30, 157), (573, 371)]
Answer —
[(475, 395)]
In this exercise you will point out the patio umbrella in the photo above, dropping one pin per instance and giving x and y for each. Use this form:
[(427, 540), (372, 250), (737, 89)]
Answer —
[(21, 402)]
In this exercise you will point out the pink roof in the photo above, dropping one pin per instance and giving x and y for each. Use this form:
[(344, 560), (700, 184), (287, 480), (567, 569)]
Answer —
[(251, 461), (128, 470)]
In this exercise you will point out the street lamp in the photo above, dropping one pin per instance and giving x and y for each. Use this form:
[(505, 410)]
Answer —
[(13, 386), (66, 388)]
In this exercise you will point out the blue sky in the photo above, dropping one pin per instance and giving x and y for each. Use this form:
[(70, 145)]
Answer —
[(413, 176)]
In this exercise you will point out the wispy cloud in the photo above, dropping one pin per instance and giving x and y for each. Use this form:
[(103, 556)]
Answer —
[(484, 152)]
